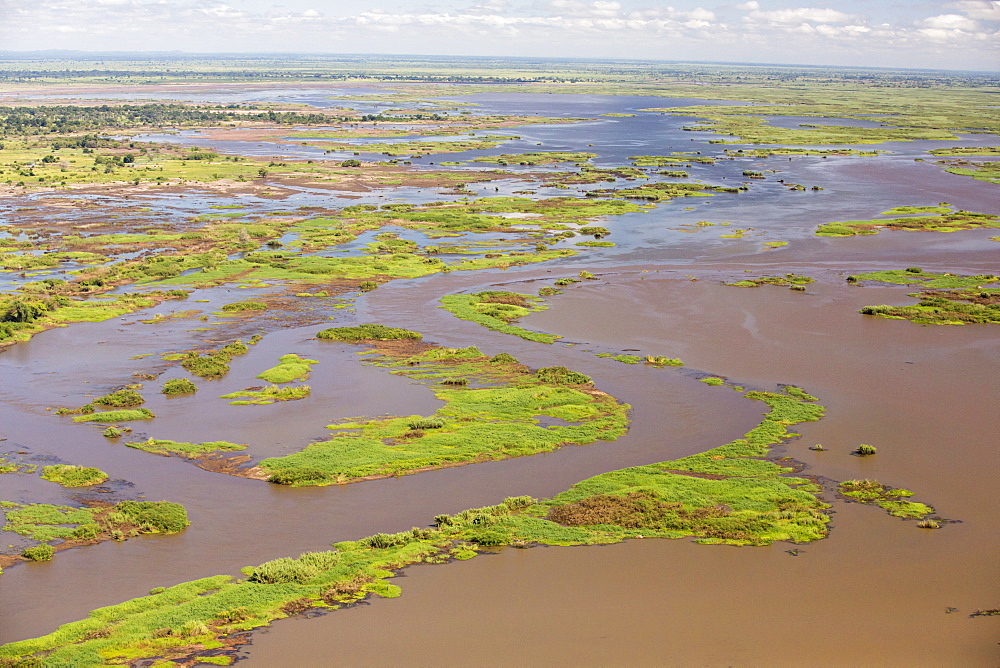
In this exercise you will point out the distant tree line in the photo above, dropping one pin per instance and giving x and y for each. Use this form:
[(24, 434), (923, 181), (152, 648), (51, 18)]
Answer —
[(72, 119)]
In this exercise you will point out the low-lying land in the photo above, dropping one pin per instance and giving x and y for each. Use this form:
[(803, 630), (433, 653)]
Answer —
[(732, 494)]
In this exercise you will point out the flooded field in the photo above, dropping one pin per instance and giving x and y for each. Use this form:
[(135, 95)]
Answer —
[(651, 281)]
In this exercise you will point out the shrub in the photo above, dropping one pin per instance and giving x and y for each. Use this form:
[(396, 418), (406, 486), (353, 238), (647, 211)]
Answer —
[(121, 399), (369, 332), (39, 553), (382, 541), (367, 286), (161, 516), (915, 270), (865, 449), (86, 531), (548, 291), (285, 569), (426, 423), (179, 386), (297, 475), (560, 375), (68, 475), (928, 524), (245, 306), (20, 310), (503, 358)]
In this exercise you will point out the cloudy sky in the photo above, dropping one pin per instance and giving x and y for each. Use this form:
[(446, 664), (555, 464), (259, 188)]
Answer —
[(947, 34)]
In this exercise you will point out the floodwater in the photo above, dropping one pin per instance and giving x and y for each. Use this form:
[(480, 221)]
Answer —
[(878, 591)]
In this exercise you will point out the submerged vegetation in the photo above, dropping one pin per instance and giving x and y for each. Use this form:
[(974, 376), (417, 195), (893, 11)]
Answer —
[(792, 280)]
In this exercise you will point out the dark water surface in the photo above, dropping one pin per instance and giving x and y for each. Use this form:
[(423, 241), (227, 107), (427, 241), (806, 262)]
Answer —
[(874, 593)]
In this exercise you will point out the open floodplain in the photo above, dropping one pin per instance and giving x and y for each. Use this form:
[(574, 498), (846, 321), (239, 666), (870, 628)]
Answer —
[(689, 367)]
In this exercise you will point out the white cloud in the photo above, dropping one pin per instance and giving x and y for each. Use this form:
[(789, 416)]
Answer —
[(951, 22), (800, 14), (946, 34), (983, 10)]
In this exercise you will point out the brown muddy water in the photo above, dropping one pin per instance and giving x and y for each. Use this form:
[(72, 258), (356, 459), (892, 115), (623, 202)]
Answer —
[(878, 591)]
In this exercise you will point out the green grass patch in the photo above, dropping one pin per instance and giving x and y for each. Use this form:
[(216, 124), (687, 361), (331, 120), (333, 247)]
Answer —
[(790, 280), (893, 501), (69, 475), (124, 415), (475, 424), (290, 367), (496, 310), (944, 222), (166, 447), (267, 395), (369, 332)]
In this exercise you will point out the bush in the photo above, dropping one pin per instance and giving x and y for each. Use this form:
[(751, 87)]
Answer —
[(369, 332), (68, 475), (112, 432), (865, 449), (86, 531), (245, 306), (560, 375), (39, 553), (162, 516), (20, 310), (285, 569), (503, 358), (426, 423), (548, 291), (179, 386), (386, 540), (121, 399), (297, 475), (367, 286)]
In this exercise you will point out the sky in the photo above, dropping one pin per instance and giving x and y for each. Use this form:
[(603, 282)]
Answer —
[(938, 34)]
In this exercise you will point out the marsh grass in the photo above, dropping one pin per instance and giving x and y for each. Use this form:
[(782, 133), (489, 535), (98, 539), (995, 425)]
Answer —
[(369, 332), (893, 501), (267, 395), (167, 447), (124, 415), (496, 310), (69, 475)]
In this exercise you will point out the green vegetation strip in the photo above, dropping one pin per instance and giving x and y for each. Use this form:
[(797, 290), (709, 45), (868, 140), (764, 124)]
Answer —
[(492, 411), (791, 280), (166, 447), (727, 495), (943, 222), (496, 310)]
